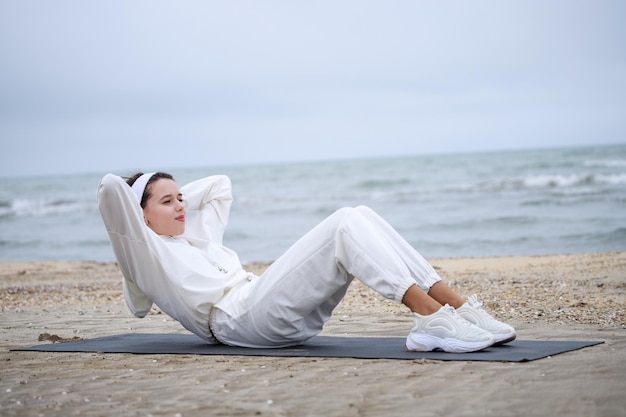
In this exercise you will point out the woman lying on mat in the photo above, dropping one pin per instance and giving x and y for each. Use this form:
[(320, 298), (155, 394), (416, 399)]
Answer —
[(181, 265)]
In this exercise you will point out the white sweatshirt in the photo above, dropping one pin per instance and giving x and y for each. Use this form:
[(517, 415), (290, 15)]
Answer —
[(184, 275)]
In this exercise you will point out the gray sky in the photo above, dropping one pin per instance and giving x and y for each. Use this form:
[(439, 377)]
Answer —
[(113, 86)]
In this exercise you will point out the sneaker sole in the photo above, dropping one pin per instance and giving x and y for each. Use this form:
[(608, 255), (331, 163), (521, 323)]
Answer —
[(428, 343), (502, 339)]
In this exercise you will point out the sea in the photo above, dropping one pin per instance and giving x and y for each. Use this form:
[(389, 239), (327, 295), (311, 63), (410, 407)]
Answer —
[(526, 202)]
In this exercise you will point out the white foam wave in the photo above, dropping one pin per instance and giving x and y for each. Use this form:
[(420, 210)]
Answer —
[(614, 179), (606, 163), (35, 208), (552, 181), (556, 181)]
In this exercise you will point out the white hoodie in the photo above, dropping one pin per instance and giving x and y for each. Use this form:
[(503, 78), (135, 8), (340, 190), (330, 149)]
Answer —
[(184, 275)]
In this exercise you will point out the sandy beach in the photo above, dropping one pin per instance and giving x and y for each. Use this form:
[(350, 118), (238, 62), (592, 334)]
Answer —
[(558, 297)]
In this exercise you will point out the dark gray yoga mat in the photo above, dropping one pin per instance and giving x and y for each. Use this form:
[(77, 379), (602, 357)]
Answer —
[(319, 346)]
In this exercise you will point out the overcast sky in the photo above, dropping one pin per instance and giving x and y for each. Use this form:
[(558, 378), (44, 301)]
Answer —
[(114, 86)]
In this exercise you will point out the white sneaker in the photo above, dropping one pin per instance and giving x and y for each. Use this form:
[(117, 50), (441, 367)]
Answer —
[(447, 331), (473, 312)]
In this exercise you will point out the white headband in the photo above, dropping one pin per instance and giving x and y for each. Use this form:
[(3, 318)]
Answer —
[(139, 185)]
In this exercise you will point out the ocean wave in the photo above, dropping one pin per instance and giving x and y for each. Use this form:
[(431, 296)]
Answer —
[(482, 224), (617, 235), (554, 181), (5, 208), (605, 163), (614, 179), (615, 238), (565, 198), (383, 183), (37, 208)]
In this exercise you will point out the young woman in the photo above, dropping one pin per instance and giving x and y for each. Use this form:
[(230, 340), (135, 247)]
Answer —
[(180, 264)]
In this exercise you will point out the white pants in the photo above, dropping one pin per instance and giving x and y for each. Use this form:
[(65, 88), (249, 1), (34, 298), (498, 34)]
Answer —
[(290, 302)]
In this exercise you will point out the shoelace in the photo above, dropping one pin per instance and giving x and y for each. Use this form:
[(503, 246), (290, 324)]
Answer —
[(455, 314), (474, 301), (479, 306)]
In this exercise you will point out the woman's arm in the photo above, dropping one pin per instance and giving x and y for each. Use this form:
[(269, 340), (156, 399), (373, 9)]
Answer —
[(212, 197), (123, 219)]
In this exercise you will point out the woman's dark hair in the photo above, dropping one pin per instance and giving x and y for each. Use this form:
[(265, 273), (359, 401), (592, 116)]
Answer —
[(146, 193)]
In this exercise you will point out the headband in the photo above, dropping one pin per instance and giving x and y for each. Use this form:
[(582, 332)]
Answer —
[(139, 186)]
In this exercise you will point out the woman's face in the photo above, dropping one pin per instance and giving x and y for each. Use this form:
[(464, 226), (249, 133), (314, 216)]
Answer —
[(164, 211)]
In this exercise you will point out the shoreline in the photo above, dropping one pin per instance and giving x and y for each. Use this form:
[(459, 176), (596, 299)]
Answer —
[(564, 296)]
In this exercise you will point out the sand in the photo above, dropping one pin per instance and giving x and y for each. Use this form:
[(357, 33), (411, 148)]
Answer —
[(561, 297)]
